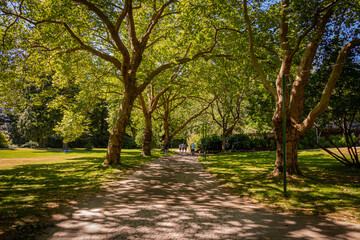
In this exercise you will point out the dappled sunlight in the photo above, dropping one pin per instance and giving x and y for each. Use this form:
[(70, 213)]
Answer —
[(175, 198), (326, 188), (31, 192)]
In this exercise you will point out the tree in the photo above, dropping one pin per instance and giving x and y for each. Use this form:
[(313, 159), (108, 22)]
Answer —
[(298, 41), (230, 86), (36, 119), (343, 109), (153, 97), (186, 101), (120, 34)]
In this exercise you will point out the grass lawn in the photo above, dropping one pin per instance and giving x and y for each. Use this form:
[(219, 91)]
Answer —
[(328, 188), (38, 183)]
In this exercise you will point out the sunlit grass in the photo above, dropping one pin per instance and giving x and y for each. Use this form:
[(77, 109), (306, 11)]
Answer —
[(42, 153), (33, 190), (328, 188)]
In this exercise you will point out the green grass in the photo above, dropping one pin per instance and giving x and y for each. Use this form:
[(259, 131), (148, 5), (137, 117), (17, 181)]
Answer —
[(41, 153), (328, 187), (31, 192)]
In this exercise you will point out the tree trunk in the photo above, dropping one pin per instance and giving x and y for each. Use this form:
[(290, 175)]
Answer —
[(223, 142), (65, 145), (146, 148), (292, 141), (116, 139), (167, 137)]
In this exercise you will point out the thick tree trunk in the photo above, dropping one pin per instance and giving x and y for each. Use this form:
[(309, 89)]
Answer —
[(116, 139), (292, 141), (146, 148)]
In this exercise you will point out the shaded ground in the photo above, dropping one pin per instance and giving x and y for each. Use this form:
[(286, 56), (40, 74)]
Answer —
[(175, 198)]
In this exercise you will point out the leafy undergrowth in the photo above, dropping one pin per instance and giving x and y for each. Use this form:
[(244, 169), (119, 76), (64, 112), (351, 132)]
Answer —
[(328, 188), (31, 193)]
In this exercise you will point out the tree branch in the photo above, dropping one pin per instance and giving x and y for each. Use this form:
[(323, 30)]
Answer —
[(192, 117), (154, 20), (312, 26), (254, 60), (322, 105), (109, 25)]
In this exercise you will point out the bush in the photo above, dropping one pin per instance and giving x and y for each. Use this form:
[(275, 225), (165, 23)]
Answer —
[(238, 142), (129, 142), (213, 143), (54, 141), (30, 144), (3, 141), (88, 146)]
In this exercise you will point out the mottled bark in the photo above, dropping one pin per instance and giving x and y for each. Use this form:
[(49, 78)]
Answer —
[(116, 139), (148, 134), (292, 141)]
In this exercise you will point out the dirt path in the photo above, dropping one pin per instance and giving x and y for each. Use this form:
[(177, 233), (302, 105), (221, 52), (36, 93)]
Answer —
[(175, 198)]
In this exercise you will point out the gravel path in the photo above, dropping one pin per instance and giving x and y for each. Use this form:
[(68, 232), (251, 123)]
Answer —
[(175, 198)]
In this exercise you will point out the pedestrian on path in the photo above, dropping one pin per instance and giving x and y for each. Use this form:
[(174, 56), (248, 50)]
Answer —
[(166, 148), (192, 147)]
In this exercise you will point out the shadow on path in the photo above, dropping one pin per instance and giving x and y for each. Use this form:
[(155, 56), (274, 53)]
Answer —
[(175, 198)]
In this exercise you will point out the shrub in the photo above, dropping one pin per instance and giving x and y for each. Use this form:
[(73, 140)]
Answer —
[(30, 144), (239, 142), (88, 146), (3, 141), (54, 141), (129, 142), (213, 143), (259, 143)]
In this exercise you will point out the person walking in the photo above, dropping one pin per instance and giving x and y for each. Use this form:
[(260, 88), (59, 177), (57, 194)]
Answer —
[(166, 148), (192, 147)]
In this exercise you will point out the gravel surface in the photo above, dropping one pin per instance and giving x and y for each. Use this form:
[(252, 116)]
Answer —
[(175, 198)]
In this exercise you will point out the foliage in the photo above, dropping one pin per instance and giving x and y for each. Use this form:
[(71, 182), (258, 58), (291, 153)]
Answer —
[(71, 127), (211, 143), (3, 140), (31, 191), (263, 142), (343, 114), (129, 142), (239, 142), (255, 142), (260, 110), (36, 119), (327, 190), (30, 144), (196, 139), (54, 141)]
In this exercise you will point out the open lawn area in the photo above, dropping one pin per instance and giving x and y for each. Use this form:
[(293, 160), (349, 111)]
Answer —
[(38, 183), (327, 188)]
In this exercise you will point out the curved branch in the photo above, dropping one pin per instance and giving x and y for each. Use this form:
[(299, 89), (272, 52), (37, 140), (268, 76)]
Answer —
[(183, 60), (109, 25), (254, 60), (322, 105), (192, 117), (154, 20), (134, 42), (311, 27), (122, 16)]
